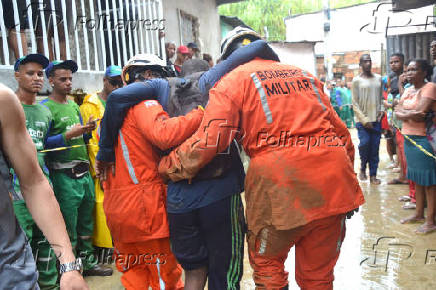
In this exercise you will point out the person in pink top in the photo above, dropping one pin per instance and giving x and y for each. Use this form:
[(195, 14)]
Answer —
[(415, 103)]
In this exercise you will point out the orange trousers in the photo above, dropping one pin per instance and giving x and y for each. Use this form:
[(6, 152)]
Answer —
[(148, 264), (317, 247)]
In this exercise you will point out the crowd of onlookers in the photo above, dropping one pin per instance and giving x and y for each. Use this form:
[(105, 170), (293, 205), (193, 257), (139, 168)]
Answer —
[(404, 115), (183, 53)]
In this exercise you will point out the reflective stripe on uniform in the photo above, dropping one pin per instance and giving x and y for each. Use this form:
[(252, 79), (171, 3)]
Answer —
[(44, 259), (66, 165), (312, 81), (161, 282), (127, 159), (263, 99)]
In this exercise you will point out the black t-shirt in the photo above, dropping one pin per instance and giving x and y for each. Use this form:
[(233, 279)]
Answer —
[(393, 78)]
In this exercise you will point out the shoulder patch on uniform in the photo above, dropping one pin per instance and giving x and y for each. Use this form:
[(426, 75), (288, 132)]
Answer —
[(151, 103)]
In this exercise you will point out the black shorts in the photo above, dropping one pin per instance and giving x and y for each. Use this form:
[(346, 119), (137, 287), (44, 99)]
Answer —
[(212, 237)]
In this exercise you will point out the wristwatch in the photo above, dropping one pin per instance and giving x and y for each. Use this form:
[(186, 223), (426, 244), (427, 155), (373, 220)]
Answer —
[(72, 266)]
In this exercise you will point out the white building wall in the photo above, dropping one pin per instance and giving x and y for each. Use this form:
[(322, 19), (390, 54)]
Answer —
[(207, 13), (361, 27), (298, 54)]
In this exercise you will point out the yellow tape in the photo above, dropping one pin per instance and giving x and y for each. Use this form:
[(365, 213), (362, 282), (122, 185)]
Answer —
[(64, 148), (422, 149)]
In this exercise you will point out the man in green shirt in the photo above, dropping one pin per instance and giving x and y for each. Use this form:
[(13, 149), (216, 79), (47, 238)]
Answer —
[(69, 168), (29, 73)]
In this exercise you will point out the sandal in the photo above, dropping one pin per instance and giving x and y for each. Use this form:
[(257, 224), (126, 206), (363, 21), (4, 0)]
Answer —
[(392, 165), (404, 198), (409, 205), (397, 181), (425, 229), (412, 220)]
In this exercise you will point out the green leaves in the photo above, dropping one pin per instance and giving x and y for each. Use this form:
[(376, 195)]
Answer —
[(271, 13)]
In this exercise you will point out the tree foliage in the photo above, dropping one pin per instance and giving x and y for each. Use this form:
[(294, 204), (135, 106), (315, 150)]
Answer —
[(270, 13)]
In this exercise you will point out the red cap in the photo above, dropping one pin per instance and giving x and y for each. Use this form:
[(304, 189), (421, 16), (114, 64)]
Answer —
[(183, 49)]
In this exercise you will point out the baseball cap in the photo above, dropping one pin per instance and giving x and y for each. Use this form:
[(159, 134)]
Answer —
[(113, 71), (70, 64), (183, 49), (192, 45), (34, 57)]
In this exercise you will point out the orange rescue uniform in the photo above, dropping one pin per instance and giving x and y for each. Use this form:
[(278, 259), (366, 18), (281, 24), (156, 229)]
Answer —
[(135, 198), (301, 169)]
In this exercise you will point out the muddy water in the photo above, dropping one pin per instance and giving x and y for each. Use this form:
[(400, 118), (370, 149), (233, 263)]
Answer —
[(378, 251)]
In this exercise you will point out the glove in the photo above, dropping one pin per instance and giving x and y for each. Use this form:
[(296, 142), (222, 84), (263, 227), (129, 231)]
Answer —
[(351, 213)]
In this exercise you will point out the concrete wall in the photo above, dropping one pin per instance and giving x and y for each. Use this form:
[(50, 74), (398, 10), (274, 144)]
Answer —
[(207, 13), (301, 55)]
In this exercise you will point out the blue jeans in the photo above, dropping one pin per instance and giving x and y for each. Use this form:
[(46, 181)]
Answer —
[(369, 146)]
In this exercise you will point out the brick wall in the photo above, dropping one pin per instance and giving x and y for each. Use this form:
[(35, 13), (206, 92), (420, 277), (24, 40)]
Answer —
[(347, 65)]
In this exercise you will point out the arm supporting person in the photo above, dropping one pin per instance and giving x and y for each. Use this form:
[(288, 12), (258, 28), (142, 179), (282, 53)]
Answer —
[(216, 132), (163, 131), (118, 103)]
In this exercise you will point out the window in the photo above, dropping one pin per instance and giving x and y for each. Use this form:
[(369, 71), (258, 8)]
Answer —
[(189, 27)]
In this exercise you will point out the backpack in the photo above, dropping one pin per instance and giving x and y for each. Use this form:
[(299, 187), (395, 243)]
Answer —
[(186, 96)]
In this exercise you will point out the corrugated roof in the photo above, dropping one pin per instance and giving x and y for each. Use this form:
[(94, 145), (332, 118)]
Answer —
[(411, 4)]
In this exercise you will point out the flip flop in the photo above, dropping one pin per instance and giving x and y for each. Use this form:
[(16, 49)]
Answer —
[(391, 166), (421, 230), (397, 181), (412, 220), (409, 205), (404, 198)]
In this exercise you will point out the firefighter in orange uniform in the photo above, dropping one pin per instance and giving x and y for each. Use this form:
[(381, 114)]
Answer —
[(300, 183), (135, 196)]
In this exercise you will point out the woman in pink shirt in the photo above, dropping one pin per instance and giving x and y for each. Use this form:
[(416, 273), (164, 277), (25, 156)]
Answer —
[(416, 101)]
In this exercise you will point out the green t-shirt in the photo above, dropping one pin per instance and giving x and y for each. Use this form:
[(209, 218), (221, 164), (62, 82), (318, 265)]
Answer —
[(103, 102), (65, 116), (38, 119)]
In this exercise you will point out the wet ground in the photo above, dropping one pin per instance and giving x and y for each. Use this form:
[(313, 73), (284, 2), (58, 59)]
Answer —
[(378, 251)]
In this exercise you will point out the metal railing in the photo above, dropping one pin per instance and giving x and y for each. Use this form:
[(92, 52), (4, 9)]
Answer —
[(95, 33)]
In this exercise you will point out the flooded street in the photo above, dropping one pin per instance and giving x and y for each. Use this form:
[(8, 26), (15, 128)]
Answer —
[(378, 251)]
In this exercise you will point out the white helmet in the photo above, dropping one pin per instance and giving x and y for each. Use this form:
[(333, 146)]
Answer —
[(143, 60), (238, 33)]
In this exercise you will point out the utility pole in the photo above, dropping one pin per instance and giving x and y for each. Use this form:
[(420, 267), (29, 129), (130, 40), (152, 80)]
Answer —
[(328, 66)]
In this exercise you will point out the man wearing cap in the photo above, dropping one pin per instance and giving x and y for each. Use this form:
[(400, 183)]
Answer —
[(93, 106), (69, 167), (17, 265), (193, 49), (29, 73), (266, 104), (182, 55)]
